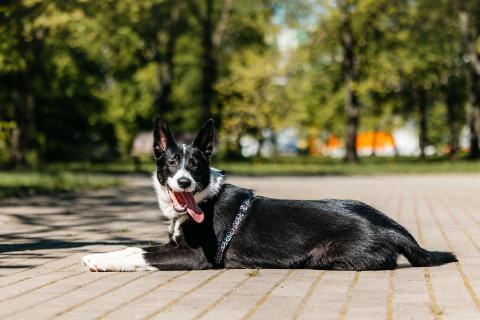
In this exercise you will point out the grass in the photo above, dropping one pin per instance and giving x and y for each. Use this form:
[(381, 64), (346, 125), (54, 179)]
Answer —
[(300, 165), (365, 167), (28, 183), (66, 177)]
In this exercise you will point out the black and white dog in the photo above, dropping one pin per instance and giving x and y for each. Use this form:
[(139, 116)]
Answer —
[(213, 224)]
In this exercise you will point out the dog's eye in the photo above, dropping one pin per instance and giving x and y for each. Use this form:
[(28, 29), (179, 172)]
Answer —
[(193, 163), (172, 162)]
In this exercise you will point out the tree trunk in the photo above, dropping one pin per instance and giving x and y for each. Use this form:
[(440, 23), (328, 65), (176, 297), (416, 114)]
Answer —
[(275, 144), (473, 113), (23, 135), (165, 76), (350, 75), (473, 71), (423, 134), (209, 68), (16, 151), (374, 142), (452, 118), (395, 148), (261, 141), (453, 131), (166, 65), (212, 36)]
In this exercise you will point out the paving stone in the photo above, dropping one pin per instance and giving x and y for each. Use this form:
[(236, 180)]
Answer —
[(43, 238)]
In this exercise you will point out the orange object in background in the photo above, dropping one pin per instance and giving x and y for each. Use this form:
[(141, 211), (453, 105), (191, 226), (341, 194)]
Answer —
[(334, 147), (333, 142), (377, 140), (367, 143)]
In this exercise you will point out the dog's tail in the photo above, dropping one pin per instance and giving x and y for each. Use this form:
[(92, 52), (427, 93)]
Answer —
[(418, 256)]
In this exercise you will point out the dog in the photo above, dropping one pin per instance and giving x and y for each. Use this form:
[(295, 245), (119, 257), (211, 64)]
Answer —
[(218, 225)]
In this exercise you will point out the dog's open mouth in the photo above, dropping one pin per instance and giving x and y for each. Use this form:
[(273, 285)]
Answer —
[(184, 201)]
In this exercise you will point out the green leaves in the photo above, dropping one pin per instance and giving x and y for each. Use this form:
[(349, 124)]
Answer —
[(80, 78)]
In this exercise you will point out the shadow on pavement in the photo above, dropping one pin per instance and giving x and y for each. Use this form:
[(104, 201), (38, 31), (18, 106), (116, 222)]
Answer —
[(122, 216)]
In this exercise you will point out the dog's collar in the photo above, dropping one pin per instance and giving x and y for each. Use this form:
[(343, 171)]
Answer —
[(222, 245)]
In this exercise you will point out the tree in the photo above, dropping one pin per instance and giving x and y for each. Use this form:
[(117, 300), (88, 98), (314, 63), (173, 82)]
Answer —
[(350, 75), (254, 98), (78, 79), (422, 73), (17, 72), (213, 26), (469, 22), (350, 33), (455, 98), (161, 31)]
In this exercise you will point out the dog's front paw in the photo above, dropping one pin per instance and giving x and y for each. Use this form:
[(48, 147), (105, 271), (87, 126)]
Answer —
[(129, 259), (96, 262)]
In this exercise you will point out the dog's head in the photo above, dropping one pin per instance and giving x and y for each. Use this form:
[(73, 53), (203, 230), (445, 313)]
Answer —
[(183, 171)]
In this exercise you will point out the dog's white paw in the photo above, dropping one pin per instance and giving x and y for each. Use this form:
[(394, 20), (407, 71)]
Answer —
[(129, 259)]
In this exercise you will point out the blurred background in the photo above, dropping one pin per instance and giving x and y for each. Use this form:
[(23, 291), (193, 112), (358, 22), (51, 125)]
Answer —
[(295, 87)]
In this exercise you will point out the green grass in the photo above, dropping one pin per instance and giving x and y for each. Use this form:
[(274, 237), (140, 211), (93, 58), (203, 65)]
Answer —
[(299, 165), (366, 167), (28, 183), (67, 177)]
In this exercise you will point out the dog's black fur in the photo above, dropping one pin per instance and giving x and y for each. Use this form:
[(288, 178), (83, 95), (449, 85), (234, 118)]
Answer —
[(318, 234)]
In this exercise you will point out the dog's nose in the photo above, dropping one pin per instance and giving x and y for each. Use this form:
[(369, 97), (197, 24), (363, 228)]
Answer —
[(184, 182)]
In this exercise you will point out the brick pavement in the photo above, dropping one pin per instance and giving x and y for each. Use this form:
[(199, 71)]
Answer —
[(43, 238)]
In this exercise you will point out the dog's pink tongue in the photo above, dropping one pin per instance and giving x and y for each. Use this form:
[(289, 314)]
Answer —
[(192, 207)]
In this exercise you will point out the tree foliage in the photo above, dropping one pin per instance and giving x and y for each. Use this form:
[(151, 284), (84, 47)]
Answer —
[(80, 78)]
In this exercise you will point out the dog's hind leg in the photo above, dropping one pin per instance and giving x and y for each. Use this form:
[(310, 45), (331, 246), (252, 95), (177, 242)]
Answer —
[(345, 265), (352, 257)]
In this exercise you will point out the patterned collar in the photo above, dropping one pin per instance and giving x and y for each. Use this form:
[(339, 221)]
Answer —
[(222, 245)]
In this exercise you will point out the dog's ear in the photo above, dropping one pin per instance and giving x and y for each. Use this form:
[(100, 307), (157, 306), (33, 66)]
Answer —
[(205, 137), (162, 137)]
